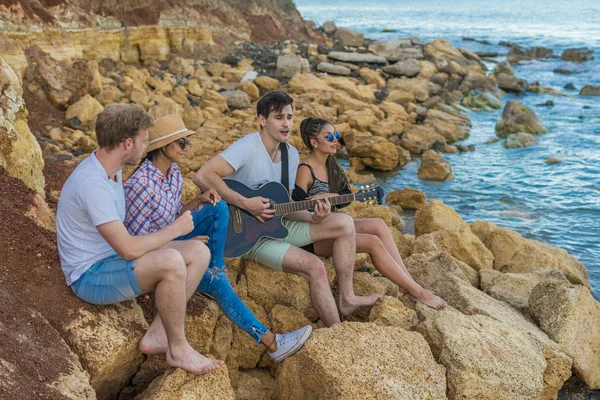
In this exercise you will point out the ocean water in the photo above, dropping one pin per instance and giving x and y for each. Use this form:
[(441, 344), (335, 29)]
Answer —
[(558, 204)]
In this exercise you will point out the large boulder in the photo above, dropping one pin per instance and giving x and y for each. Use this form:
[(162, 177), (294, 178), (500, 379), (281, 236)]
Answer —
[(514, 253), (375, 151), (409, 68), (389, 311), (329, 27), (577, 55), (510, 83), (177, 384), (362, 361), (434, 167), (440, 51), (443, 275), (450, 125), (333, 69), (436, 216), (515, 289), (20, 153), (349, 37), (82, 115), (517, 54), (307, 83), (419, 138), (570, 316), (520, 139), (356, 57), (407, 198), (288, 65), (589, 90), (267, 83), (236, 99), (516, 117)]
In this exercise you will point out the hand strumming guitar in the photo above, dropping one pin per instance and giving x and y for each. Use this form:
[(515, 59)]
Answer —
[(259, 207)]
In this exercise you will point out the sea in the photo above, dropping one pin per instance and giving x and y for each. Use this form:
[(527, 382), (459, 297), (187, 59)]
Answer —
[(514, 188)]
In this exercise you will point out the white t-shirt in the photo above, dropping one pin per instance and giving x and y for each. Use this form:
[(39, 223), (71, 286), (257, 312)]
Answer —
[(88, 199), (253, 165)]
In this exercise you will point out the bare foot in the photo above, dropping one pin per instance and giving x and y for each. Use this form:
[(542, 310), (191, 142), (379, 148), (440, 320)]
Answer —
[(189, 359), (154, 342), (430, 299), (348, 305)]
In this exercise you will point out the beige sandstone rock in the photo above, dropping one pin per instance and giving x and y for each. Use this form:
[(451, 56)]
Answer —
[(307, 83), (434, 167), (115, 332), (372, 77), (177, 384), (267, 83), (82, 115), (389, 311), (570, 316), (514, 253), (515, 289), (362, 361), (376, 152), (180, 96), (250, 89), (407, 198), (255, 384), (211, 98), (442, 51), (419, 138), (359, 210), (435, 216), (394, 111), (20, 153), (450, 126), (516, 117), (287, 319)]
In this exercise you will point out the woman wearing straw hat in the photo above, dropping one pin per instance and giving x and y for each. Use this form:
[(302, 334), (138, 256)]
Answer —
[(153, 201)]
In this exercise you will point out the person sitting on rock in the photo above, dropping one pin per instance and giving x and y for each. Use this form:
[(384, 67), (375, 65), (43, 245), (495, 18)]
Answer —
[(104, 264), (256, 159), (319, 177), (153, 201)]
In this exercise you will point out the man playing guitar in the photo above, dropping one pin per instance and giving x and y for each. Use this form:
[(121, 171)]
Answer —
[(256, 159)]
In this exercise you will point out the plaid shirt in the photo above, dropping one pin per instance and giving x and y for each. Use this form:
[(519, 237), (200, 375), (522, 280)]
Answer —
[(152, 200)]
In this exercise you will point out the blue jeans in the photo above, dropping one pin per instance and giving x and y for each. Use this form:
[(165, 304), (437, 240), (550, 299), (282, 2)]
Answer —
[(212, 221)]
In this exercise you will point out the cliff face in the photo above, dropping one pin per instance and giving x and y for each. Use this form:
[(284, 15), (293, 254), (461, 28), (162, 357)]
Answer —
[(137, 30)]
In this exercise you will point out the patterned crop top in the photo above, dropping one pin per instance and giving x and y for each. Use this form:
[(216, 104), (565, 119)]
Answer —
[(318, 187)]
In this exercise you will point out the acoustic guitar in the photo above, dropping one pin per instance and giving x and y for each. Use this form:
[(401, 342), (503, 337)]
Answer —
[(244, 230)]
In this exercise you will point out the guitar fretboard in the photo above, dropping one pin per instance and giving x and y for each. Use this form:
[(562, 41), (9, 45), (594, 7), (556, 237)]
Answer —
[(295, 206)]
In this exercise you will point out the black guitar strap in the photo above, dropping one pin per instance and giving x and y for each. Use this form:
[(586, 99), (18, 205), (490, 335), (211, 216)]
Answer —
[(285, 170)]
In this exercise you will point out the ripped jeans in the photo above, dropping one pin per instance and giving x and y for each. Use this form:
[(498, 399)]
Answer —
[(212, 221)]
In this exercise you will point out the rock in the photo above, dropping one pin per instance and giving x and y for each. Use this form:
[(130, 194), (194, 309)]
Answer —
[(164, 88), (503, 68), (389, 311), (553, 160), (563, 71), (452, 127), (517, 54), (516, 117), (515, 289), (359, 211), (357, 57), (333, 69), (115, 332), (482, 101), (570, 316), (180, 66), (286, 319), (401, 97), (407, 198), (362, 361), (267, 83), (35, 362), (434, 167), (20, 152), (236, 99), (514, 253), (510, 83), (407, 68), (403, 156), (577, 55), (167, 107), (378, 47), (372, 77), (82, 115), (441, 50), (255, 384), (249, 76), (328, 27), (308, 83), (217, 69), (178, 384), (589, 90), (436, 216), (288, 66), (441, 274), (349, 37), (420, 138), (361, 179), (493, 139), (376, 152), (250, 89), (402, 54), (211, 98), (520, 139)]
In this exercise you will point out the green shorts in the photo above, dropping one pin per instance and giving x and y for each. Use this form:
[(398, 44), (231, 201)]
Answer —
[(270, 252)]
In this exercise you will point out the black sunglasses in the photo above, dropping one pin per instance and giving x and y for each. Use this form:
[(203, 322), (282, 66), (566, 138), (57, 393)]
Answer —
[(183, 142), (333, 136)]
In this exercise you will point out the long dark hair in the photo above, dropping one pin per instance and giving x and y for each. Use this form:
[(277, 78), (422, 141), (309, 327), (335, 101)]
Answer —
[(336, 177), (150, 156)]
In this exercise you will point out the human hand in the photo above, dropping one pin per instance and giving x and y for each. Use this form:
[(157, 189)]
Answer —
[(184, 224), (260, 207), (210, 196), (322, 210)]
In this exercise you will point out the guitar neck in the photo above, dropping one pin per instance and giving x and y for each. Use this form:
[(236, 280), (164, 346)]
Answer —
[(295, 206)]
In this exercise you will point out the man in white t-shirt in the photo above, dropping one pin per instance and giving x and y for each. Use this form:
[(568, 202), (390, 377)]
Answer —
[(254, 160), (103, 264)]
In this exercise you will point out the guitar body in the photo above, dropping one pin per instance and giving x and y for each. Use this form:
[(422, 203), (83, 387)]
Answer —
[(243, 230)]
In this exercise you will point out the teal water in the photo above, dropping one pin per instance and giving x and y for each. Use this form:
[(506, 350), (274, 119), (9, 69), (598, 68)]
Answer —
[(558, 204)]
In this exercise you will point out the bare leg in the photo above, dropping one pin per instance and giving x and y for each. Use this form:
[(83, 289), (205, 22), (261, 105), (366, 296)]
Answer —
[(166, 271), (300, 262), (340, 228)]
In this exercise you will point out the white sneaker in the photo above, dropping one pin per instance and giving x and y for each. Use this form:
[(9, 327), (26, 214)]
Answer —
[(289, 343)]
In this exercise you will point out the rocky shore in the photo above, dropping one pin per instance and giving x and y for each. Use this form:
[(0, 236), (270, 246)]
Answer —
[(521, 321)]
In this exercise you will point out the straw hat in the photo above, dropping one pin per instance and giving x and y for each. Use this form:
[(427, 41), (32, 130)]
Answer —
[(166, 130)]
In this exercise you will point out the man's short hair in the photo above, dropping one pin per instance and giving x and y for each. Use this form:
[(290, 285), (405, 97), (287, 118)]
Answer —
[(120, 121), (273, 101)]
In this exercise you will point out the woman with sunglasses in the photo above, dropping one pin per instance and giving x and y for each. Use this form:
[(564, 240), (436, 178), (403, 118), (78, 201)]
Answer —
[(153, 201), (319, 176)]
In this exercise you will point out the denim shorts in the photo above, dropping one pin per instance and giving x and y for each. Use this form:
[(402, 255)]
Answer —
[(108, 281)]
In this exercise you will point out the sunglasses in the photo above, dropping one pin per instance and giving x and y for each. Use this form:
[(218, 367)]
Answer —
[(183, 142), (333, 136)]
